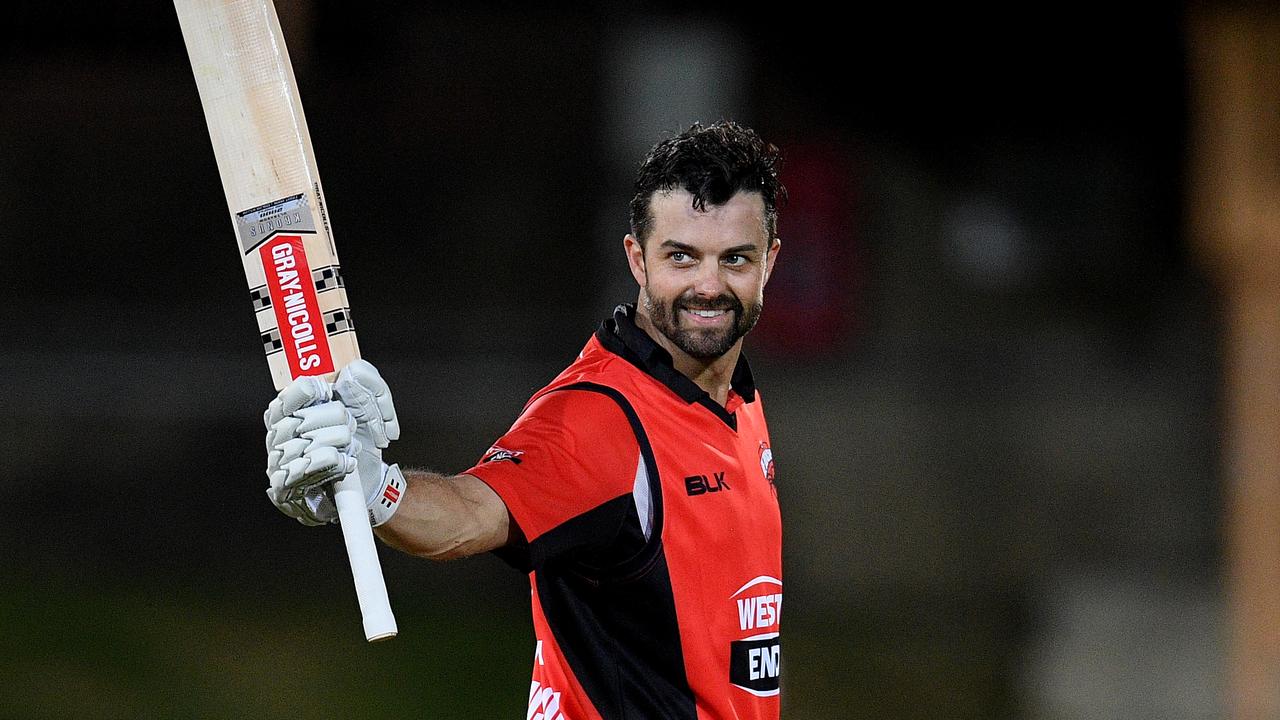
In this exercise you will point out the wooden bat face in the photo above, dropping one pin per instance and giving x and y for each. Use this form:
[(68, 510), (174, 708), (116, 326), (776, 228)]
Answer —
[(272, 186)]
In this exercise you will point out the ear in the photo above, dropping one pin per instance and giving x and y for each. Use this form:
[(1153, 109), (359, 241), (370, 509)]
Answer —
[(635, 258), (771, 258)]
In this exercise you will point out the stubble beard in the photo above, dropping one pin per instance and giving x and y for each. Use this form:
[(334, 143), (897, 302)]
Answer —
[(702, 343)]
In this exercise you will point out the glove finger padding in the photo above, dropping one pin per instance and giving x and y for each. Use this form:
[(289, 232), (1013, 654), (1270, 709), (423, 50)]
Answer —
[(327, 414), (285, 443), (339, 437), (282, 430), (317, 467), (279, 493), (362, 389), (291, 450), (304, 391), (327, 424)]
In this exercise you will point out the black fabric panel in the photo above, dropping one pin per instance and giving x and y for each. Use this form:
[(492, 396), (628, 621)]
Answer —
[(607, 537), (628, 544), (590, 536), (621, 639)]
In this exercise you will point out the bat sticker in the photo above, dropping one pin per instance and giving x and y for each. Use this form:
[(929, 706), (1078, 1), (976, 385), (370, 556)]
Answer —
[(256, 225)]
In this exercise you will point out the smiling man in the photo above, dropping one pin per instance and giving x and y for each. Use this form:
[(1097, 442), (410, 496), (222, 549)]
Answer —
[(637, 489)]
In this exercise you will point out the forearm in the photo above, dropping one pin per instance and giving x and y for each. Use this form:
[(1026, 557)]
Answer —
[(445, 517)]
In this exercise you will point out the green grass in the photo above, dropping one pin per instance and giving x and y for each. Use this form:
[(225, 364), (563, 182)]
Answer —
[(131, 656)]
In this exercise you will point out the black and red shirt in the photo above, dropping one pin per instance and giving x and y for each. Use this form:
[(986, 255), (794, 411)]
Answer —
[(649, 525)]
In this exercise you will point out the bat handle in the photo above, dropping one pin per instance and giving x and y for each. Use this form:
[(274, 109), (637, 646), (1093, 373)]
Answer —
[(371, 590)]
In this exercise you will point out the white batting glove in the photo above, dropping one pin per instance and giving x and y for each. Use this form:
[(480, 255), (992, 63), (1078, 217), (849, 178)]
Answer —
[(310, 443), (313, 440), (366, 395)]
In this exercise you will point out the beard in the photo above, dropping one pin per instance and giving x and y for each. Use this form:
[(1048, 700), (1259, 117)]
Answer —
[(697, 342)]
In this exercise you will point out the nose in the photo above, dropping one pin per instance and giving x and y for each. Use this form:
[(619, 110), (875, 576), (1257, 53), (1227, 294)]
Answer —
[(709, 282)]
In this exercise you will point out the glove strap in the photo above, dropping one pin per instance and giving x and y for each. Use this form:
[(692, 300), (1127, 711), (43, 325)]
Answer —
[(385, 500)]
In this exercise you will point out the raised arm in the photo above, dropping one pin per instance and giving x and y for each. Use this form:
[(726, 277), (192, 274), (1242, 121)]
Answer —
[(317, 433)]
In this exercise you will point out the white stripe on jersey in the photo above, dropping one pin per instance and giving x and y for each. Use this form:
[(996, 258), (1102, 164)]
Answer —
[(644, 498)]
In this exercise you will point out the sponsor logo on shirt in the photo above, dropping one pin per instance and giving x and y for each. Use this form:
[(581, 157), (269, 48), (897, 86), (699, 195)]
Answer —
[(499, 454), (701, 484), (544, 701), (754, 660)]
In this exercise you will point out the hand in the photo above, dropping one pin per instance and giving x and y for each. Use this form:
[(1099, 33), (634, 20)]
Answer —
[(303, 459), (366, 395), (310, 443), (361, 388)]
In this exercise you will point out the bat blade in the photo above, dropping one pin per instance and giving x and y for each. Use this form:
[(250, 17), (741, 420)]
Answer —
[(268, 169)]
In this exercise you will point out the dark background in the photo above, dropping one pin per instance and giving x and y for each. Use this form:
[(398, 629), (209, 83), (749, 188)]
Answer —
[(989, 355)]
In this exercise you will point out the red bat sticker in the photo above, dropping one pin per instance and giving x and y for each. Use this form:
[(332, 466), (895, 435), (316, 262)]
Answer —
[(293, 298)]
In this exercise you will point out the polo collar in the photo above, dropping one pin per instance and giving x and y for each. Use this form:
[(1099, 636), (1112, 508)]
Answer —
[(621, 336)]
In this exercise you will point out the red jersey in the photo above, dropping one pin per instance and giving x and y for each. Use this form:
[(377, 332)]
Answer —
[(649, 526)]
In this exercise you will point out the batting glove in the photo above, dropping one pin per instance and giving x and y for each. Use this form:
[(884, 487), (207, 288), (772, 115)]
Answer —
[(366, 395), (310, 443)]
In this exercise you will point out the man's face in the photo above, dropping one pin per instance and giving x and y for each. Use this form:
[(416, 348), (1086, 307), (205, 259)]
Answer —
[(702, 273)]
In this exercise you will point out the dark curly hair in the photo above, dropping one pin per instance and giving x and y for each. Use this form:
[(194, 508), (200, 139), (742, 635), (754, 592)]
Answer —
[(712, 163)]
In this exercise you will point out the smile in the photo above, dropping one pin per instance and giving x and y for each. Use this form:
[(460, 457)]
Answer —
[(703, 316)]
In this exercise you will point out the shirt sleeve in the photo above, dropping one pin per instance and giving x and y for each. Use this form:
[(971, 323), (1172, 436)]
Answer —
[(566, 471)]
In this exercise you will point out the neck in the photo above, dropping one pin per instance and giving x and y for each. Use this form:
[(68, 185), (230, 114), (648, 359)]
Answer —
[(713, 375)]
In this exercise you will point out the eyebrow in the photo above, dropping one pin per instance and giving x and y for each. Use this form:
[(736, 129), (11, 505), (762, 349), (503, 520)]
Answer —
[(735, 250)]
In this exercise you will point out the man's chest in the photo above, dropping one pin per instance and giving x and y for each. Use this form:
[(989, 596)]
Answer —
[(719, 497), (722, 541)]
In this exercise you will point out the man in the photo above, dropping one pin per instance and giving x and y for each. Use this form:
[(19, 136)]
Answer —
[(636, 489)]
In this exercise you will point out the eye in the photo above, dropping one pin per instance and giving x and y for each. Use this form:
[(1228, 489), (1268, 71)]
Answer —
[(735, 260), (679, 256)]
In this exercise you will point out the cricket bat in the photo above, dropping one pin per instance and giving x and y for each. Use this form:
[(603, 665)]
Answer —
[(268, 169)]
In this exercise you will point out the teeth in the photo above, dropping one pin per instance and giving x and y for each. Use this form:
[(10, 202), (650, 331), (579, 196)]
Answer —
[(707, 313)]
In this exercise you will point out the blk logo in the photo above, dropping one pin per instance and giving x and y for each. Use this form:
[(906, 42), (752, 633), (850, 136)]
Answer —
[(700, 484)]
